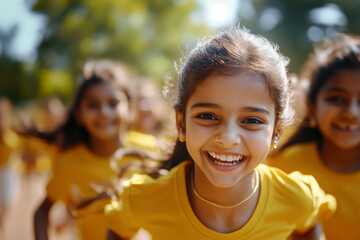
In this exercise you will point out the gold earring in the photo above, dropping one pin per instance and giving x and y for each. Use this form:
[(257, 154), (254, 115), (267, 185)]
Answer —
[(311, 122), (273, 145), (182, 138)]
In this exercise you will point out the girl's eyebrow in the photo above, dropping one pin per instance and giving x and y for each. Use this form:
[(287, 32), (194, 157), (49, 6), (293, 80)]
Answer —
[(247, 109), (256, 109), (213, 105), (335, 89)]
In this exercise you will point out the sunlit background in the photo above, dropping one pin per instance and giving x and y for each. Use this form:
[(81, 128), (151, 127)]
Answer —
[(44, 43)]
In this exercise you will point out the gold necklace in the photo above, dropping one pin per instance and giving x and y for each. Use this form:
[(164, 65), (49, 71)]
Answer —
[(232, 206)]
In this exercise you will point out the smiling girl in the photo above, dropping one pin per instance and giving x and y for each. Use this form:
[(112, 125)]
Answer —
[(94, 130), (327, 144), (231, 106)]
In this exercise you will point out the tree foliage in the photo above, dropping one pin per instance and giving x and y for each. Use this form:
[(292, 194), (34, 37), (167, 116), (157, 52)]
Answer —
[(295, 19), (150, 36), (147, 35)]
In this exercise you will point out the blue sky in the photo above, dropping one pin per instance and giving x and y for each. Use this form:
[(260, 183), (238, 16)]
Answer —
[(30, 25), (217, 13)]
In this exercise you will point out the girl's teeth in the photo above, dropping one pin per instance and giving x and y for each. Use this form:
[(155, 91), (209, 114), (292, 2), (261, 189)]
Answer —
[(349, 127), (226, 164), (226, 158)]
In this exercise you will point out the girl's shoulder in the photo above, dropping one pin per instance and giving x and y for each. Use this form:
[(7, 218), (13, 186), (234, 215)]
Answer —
[(295, 188), (277, 178)]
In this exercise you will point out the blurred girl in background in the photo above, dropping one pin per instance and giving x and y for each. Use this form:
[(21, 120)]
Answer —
[(327, 143), (95, 128)]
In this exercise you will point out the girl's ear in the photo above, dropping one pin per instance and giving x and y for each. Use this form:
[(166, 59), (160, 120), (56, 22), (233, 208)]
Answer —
[(277, 134), (180, 122)]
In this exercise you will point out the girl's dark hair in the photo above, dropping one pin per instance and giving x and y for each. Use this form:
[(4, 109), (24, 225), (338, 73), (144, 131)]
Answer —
[(227, 54), (329, 57), (94, 73)]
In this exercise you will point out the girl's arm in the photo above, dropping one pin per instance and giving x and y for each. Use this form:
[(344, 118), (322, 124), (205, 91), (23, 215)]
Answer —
[(314, 233), (113, 236), (41, 220)]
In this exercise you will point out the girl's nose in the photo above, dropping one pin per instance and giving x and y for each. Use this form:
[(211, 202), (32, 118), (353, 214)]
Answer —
[(228, 136), (353, 109), (105, 110)]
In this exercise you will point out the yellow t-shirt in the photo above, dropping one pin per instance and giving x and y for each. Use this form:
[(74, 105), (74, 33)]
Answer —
[(139, 139), (345, 222), (286, 203), (74, 171)]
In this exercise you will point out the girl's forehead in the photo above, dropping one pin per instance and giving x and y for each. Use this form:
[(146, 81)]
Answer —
[(346, 80), (238, 82), (104, 89), (235, 92)]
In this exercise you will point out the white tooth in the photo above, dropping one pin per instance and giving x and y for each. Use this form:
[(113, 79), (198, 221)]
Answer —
[(229, 158), (212, 154), (241, 157), (223, 158)]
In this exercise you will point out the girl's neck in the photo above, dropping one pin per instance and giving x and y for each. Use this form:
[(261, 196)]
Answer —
[(105, 148), (340, 160), (221, 219), (223, 196)]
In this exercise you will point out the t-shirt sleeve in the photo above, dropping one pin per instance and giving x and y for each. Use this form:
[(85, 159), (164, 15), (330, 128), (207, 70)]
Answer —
[(319, 205), (119, 217)]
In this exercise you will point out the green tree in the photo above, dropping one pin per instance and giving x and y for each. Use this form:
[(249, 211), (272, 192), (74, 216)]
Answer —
[(145, 34), (296, 25)]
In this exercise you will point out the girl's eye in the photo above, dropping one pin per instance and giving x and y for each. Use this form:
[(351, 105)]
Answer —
[(206, 116), (335, 99), (114, 103), (253, 121), (92, 105)]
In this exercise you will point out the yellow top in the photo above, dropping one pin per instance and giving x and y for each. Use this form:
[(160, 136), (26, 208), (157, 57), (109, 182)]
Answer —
[(73, 172), (344, 223), (143, 140), (161, 206)]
